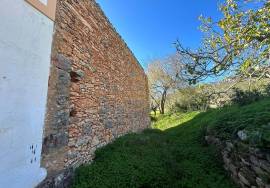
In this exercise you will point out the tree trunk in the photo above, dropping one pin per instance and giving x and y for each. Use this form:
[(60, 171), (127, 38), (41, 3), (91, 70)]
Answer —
[(162, 102)]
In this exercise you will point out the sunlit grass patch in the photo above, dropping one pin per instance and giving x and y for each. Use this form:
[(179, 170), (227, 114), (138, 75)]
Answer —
[(172, 120)]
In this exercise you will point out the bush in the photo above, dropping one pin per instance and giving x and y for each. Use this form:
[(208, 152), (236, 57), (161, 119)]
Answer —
[(190, 106), (267, 90), (242, 98)]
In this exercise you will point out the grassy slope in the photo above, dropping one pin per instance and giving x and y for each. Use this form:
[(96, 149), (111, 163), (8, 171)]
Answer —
[(253, 118), (174, 157)]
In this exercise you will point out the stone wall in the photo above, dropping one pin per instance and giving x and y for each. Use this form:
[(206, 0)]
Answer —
[(97, 89), (247, 166)]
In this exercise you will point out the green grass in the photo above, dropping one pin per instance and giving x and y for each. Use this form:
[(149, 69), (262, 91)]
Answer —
[(254, 119), (173, 155), (172, 120), (171, 158)]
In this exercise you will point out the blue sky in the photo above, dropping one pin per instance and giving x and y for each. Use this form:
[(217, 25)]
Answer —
[(150, 27)]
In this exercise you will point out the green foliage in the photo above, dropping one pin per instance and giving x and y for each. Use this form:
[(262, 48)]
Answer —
[(253, 119), (172, 158), (242, 97), (239, 41), (189, 99), (203, 97), (172, 120), (267, 90), (259, 136)]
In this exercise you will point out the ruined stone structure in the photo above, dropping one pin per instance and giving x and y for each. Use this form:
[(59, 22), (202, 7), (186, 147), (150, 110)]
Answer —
[(96, 91)]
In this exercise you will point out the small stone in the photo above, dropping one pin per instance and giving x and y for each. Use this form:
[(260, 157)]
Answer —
[(209, 139), (229, 146), (71, 143), (268, 158), (233, 169), (254, 160), (243, 179), (72, 154), (87, 129), (245, 162), (226, 167), (95, 141), (108, 124), (256, 152), (265, 165), (242, 135), (258, 170), (259, 182), (59, 180), (80, 73), (82, 141), (226, 160)]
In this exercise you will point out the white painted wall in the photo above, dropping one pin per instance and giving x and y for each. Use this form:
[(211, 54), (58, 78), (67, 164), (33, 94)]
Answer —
[(25, 46)]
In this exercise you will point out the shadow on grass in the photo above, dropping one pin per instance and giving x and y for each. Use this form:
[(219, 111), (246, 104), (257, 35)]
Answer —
[(174, 158)]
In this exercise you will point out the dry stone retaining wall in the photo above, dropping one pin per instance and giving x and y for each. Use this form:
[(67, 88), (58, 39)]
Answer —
[(249, 167), (97, 89)]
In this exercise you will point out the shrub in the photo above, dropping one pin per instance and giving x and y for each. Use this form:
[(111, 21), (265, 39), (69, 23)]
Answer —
[(242, 98), (189, 106), (267, 90)]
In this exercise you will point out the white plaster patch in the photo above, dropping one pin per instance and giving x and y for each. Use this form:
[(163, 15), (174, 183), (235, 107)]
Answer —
[(25, 46)]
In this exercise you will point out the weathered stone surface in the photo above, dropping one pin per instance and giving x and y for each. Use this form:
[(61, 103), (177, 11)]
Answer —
[(61, 62), (265, 165), (243, 179), (259, 182), (245, 161), (97, 89), (229, 146), (233, 169), (62, 180), (242, 135), (268, 157), (248, 168), (254, 160), (82, 141), (258, 170)]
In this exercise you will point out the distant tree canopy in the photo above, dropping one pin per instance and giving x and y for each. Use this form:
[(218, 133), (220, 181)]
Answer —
[(238, 43)]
